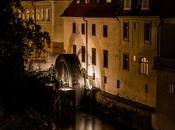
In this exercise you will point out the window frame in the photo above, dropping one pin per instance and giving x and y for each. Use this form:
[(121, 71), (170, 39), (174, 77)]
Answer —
[(93, 30), (105, 30), (143, 66), (94, 55), (147, 33), (105, 58), (83, 53), (125, 61), (127, 5), (145, 5), (126, 31), (73, 27)]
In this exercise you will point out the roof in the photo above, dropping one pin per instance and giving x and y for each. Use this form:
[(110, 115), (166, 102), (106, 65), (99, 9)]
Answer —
[(115, 8)]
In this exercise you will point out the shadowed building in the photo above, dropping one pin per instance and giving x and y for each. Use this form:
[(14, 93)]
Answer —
[(47, 13), (117, 42)]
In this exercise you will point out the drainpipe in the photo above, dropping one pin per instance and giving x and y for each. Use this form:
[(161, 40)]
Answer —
[(86, 40)]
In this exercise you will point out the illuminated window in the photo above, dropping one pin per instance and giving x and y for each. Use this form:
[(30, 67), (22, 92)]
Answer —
[(23, 15), (171, 87), (127, 4), (78, 1), (37, 14), (33, 14), (125, 31), (105, 58), (19, 14), (73, 27), (74, 49), (147, 33), (93, 56), (144, 66), (82, 28), (83, 53), (42, 14), (145, 5), (46, 17), (93, 29), (126, 61), (105, 31), (27, 14), (108, 1)]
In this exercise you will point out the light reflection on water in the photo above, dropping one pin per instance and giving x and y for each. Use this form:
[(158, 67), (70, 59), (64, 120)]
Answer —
[(84, 121)]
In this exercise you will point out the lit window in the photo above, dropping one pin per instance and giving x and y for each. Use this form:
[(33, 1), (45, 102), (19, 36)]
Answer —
[(108, 1), (93, 56), (144, 67), (74, 49), (147, 33), (37, 14), (27, 14), (33, 14), (125, 31), (145, 5), (78, 1), (105, 31), (83, 53), (105, 58), (73, 27), (46, 17), (126, 61), (127, 4), (19, 14), (93, 29), (42, 14), (82, 28)]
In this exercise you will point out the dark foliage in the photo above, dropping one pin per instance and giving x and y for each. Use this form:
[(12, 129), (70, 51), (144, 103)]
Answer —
[(18, 90)]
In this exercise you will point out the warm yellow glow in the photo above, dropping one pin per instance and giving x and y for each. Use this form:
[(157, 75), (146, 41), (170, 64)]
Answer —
[(134, 58)]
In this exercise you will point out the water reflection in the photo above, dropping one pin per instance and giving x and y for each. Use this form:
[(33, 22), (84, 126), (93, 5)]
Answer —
[(84, 121)]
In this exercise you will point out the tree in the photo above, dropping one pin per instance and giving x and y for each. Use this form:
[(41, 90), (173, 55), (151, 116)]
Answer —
[(15, 36)]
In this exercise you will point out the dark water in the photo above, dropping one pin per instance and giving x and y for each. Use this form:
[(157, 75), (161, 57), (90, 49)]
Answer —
[(84, 121)]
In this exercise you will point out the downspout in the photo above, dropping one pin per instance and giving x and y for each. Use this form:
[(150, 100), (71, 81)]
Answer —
[(86, 43)]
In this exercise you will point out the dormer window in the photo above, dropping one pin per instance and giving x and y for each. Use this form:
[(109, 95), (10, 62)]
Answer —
[(127, 4), (145, 5)]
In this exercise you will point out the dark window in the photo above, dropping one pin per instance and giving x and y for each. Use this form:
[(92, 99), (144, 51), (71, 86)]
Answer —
[(83, 53), (146, 88), (74, 49), (147, 32), (126, 61), (93, 76), (73, 28), (125, 31), (105, 79), (93, 56), (82, 28), (93, 29), (118, 83), (105, 58), (105, 31)]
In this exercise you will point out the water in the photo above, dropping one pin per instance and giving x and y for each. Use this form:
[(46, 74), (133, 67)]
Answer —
[(85, 121)]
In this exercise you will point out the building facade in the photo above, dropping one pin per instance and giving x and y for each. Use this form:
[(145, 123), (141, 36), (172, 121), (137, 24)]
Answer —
[(46, 13), (119, 45)]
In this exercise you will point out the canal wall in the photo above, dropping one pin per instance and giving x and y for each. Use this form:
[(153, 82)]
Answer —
[(120, 110)]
